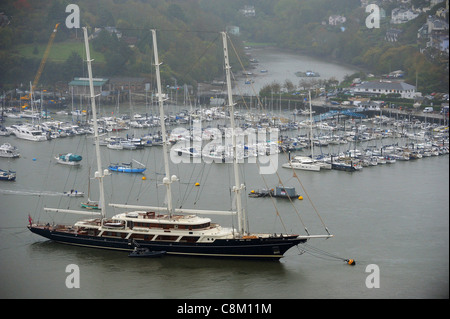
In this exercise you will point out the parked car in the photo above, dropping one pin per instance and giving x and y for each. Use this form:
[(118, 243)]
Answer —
[(428, 109)]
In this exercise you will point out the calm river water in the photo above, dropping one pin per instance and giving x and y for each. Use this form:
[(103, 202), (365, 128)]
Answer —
[(282, 66), (391, 218)]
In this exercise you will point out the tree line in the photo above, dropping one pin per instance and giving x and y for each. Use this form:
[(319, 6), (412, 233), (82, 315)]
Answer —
[(189, 42)]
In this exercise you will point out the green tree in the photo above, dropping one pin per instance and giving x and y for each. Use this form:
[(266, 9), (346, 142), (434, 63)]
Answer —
[(73, 66), (175, 11), (6, 37)]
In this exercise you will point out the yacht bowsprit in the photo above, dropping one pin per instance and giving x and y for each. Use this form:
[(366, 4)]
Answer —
[(176, 231)]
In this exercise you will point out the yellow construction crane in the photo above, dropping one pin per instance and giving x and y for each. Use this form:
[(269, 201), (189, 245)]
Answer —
[(43, 61)]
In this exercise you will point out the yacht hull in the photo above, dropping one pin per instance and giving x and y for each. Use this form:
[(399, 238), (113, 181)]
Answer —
[(305, 167), (271, 248), (126, 170)]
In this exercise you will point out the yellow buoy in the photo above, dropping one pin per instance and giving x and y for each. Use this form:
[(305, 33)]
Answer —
[(144, 178), (300, 197), (197, 184)]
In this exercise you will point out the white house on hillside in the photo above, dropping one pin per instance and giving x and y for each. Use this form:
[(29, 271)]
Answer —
[(336, 20), (248, 11), (401, 15)]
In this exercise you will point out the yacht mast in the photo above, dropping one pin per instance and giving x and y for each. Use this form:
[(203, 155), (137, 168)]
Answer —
[(310, 127), (98, 174), (167, 180), (242, 226)]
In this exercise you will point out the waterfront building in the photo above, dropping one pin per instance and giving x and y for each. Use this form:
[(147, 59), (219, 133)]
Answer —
[(406, 91), (80, 86)]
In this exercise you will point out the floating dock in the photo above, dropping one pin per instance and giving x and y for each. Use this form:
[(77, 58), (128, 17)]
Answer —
[(279, 191)]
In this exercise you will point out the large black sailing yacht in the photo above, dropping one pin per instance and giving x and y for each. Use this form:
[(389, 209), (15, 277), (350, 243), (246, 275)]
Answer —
[(183, 232)]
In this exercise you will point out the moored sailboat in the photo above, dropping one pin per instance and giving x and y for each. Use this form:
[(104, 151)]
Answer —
[(304, 162), (167, 229)]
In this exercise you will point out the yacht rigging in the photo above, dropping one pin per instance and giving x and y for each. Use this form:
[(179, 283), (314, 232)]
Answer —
[(175, 231)]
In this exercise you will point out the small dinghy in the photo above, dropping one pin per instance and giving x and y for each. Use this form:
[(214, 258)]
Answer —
[(146, 253)]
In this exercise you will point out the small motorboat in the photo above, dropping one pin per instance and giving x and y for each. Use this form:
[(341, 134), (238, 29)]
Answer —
[(145, 252), (260, 193), (7, 150), (68, 159), (7, 175), (74, 193)]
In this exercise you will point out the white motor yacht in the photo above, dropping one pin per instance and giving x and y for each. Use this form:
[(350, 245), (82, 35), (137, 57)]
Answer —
[(27, 132)]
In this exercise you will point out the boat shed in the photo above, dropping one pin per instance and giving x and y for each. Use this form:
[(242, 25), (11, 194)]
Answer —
[(80, 86)]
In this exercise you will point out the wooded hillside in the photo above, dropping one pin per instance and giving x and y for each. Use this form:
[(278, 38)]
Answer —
[(189, 40)]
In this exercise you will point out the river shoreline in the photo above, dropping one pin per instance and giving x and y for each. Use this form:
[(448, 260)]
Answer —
[(325, 59)]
